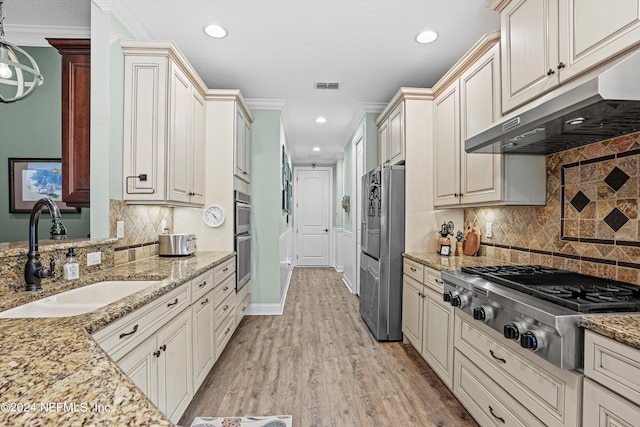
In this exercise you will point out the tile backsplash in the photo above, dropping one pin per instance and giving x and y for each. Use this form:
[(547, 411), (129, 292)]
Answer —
[(142, 225), (590, 223)]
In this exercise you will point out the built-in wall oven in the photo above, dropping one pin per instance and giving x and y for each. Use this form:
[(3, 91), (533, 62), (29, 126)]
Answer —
[(242, 232)]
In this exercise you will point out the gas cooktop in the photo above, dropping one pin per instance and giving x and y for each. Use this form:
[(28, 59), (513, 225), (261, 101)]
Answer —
[(579, 292)]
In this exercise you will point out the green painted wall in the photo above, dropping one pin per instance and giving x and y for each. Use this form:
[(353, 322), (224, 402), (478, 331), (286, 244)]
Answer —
[(370, 140), (266, 204), (32, 128)]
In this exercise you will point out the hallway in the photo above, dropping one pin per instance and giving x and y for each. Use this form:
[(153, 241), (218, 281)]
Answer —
[(319, 363)]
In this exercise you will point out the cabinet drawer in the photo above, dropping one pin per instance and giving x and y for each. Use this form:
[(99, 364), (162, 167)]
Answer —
[(549, 392), (241, 310), (220, 272), (485, 400), (432, 279), (201, 285), (602, 407), (614, 365), (227, 306), (224, 289), (414, 269), (223, 334), (124, 334)]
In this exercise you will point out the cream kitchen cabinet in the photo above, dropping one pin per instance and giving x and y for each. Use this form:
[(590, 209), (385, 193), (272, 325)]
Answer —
[(612, 384), (547, 42), (161, 366), (164, 126), (242, 141), (466, 107), (203, 315), (497, 379), (427, 322), (391, 137)]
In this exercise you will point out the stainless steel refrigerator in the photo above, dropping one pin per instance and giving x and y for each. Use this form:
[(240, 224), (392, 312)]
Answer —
[(382, 246)]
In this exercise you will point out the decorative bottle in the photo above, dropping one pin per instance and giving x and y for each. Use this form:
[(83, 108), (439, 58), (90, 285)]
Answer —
[(71, 269)]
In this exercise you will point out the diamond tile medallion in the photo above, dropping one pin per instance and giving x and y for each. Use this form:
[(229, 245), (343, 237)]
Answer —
[(580, 201)]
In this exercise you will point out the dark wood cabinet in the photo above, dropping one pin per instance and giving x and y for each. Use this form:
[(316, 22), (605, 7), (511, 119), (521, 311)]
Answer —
[(76, 117)]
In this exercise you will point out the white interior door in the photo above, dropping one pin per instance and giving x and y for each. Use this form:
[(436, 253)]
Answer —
[(312, 216), (358, 204)]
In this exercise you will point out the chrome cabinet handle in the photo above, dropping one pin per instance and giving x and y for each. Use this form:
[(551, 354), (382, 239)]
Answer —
[(203, 284), (163, 347), (205, 302), (173, 303), (126, 334), (225, 307), (495, 416), (550, 72), (226, 288), (439, 282), (227, 331), (413, 269), (225, 269), (496, 357), (561, 65), (156, 353)]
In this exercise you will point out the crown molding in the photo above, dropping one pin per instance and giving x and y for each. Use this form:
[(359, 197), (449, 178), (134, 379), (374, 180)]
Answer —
[(36, 35)]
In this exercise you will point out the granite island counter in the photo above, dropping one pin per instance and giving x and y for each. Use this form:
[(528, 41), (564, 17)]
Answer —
[(52, 372)]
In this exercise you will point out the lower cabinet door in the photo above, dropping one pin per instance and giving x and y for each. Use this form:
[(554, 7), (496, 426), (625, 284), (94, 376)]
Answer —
[(141, 365), (437, 340), (175, 375), (203, 338), (412, 303), (602, 407)]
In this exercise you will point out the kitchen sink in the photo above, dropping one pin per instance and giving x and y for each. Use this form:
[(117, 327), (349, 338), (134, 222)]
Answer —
[(79, 301)]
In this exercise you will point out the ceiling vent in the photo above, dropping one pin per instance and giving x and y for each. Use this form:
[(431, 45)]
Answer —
[(327, 85)]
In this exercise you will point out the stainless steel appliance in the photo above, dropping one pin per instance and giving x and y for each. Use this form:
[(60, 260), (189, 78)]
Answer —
[(539, 307), (601, 108), (176, 244), (242, 233), (381, 247)]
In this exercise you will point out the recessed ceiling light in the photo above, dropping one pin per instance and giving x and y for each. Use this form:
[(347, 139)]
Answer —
[(426, 36), (316, 148), (321, 120), (215, 31)]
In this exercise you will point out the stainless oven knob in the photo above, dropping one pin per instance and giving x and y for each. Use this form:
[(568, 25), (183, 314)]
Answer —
[(512, 331), (483, 313), (532, 340), (459, 301), (446, 297)]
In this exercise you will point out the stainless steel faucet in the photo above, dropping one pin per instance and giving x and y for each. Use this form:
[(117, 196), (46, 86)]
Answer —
[(34, 272)]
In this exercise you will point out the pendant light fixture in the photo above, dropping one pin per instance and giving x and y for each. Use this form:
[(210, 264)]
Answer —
[(19, 73)]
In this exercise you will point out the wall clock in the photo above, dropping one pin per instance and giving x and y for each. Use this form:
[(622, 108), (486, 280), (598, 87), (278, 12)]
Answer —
[(213, 216)]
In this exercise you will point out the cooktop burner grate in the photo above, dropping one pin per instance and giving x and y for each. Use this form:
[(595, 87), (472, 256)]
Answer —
[(579, 292)]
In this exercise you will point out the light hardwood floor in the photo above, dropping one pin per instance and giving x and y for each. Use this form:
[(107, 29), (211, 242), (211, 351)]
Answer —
[(319, 363)]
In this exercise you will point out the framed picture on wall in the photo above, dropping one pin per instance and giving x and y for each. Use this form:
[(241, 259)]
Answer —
[(33, 179)]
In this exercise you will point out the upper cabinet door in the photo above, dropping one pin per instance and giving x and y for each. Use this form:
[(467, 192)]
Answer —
[(396, 135), (446, 146), (529, 50), (242, 146), (198, 148), (180, 166), (383, 142), (481, 177), (593, 31)]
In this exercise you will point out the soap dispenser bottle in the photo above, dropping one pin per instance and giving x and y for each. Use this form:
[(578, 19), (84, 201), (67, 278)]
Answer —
[(71, 269)]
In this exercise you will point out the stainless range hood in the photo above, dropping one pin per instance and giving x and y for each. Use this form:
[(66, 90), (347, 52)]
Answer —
[(601, 108)]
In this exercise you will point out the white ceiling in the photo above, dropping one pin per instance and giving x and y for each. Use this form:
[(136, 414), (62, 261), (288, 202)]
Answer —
[(277, 49)]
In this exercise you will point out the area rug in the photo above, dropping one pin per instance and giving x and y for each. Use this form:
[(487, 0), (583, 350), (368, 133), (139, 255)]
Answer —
[(272, 421)]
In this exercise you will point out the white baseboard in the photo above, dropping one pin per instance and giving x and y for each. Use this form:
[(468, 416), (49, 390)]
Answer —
[(263, 309), (346, 281)]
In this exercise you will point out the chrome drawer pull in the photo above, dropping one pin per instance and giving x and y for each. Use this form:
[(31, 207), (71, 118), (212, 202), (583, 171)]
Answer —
[(225, 307), (226, 288), (205, 302), (126, 334), (440, 282), (225, 269), (227, 331), (495, 416), (496, 357), (203, 284), (172, 303), (413, 269)]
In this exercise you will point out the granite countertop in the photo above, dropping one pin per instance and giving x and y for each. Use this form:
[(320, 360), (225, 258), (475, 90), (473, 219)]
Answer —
[(52, 372), (624, 328), (451, 262)]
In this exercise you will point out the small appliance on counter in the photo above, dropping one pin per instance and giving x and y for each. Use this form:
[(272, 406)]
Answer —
[(177, 244)]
